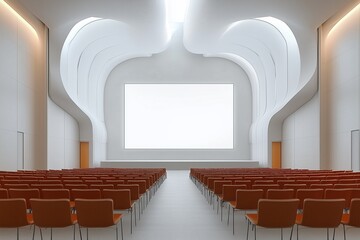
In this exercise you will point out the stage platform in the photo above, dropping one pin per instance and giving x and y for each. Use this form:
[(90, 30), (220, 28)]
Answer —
[(180, 164)]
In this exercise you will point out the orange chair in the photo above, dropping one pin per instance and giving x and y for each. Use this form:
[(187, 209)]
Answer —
[(303, 194), (57, 194), (280, 194), (122, 201), (85, 194), (352, 219), (321, 213), (229, 195), (13, 214), (27, 194), (52, 213), (4, 193), (246, 199), (339, 194), (265, 187), (97, 213), (284, 209)]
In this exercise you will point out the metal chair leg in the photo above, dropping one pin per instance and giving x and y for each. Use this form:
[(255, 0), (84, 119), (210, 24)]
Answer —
[(255, 231), (116, 230), (327, 234), (247, 232), (80, 233), (41, 234), (233, 221), (17, 233), (334, 234), (291, 233), (281, 230), (297, 232), (344, 231), (33, 234), (122, 232)]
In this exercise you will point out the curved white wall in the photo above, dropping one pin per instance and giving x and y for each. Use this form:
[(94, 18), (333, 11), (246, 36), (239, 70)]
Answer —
[(264, 47), (177, 65)]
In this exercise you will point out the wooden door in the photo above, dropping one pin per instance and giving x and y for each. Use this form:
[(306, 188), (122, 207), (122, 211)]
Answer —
[(84, 154), (276, 155)]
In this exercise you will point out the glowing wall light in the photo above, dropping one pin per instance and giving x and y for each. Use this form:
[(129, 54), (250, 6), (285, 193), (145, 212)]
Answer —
[(348, 16), (176, 10), (18, 16)]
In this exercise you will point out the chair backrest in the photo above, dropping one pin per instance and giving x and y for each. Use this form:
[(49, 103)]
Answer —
[(243, 182), (247, 199), (229, 191), (16, 186), (75, 186), (134, 189), (284, 209), (13, 213), (339, 194), (322, 213), (303, 194), (295, 186), (218, 184), (355, 193), (121, 198), (141, 183), (27, 194), (4, 193), (346, 185), (101, 186), (322, 186), (85, 193), (94, 212), (280, 194), (51, 212), (47, 186), (354, 219), (265, 187), (55, 193)]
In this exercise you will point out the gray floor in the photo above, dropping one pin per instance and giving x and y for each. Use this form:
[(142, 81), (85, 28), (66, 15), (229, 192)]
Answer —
[(179, 211)]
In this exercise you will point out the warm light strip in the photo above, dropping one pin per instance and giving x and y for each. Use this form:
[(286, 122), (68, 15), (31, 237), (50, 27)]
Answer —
[(343, 19), (10, 9)]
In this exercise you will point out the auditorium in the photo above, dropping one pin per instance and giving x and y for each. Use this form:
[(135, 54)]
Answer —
[(105, 132)]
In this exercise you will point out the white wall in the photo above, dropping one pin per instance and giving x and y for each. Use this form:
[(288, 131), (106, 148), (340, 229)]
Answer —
[(177, 65), (301, 137), (63, 139), (22, 91), (340, 89)]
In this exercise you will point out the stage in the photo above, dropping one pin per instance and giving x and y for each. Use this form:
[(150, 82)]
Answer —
[(180, 164)]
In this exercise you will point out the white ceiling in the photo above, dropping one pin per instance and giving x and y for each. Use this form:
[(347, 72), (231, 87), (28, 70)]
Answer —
[(205, 16)]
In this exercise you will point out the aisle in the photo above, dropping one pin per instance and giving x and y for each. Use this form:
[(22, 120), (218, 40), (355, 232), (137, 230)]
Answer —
[(178, 211)]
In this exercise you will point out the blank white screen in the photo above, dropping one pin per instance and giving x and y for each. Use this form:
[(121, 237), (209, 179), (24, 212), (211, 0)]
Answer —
[(178, 116)]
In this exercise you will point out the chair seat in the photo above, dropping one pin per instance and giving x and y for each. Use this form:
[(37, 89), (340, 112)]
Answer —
[(253, 218), (74, 218), (117, 218), (30, 218), (345, 218), (299, 218)]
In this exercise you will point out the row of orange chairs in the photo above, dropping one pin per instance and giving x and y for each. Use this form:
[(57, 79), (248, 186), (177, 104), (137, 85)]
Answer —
[(58, 213), (317, 213), (238, 187)]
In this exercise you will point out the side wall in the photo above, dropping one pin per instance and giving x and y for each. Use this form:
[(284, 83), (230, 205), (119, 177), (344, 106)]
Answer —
[(301, 137), (340, 89), (63, 138), (22, 91)]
